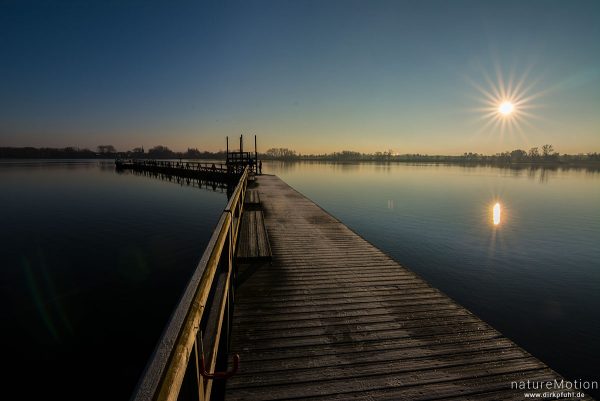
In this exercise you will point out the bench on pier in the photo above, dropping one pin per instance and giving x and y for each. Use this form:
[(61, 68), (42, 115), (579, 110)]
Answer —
[(252, 200), (253, 241)]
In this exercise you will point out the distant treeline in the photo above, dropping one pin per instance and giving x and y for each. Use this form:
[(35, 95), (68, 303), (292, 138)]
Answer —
[(106, 152), (46, 153), (543, 155)]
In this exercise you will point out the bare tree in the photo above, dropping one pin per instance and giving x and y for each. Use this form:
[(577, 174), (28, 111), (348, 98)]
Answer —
[(547, 150), (281, 153), (534, 153)]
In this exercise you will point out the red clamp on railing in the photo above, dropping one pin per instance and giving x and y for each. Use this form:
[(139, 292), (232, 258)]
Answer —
[(220, 375)]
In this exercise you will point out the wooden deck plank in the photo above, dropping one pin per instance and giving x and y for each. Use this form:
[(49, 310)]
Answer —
[(375, 354), (470, 388), (325, 329), (264, 248), (328, 285), (406, 291), (252, 198), (253, 239), (376, 316), (250, 217), (297, 300), (385, 380), (334, 318), (357, 347), (315, 374), (413, 310)]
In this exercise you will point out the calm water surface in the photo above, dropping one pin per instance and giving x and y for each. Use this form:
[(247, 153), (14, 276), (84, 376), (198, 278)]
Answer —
[(92, 265), (535, 276), (93, 262)]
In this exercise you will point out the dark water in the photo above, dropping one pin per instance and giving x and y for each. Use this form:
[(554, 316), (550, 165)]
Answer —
[(535, 276), (92, 264)]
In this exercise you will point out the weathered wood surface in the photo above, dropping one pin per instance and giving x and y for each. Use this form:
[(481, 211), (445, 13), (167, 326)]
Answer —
[(252, 200), (253, 240), (334, 318)]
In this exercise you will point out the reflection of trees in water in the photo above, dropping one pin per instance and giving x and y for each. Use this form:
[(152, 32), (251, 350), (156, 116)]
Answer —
[(543, 172), (539, 167), (217, 186), (108, 166), (281, 166), (385, 167), (346, 167)]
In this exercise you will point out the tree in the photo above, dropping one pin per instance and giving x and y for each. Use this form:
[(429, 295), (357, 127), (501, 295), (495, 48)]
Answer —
[(347, 155), (534, 153), (106, 149), (468, 156), (517, 155), (547, 150), (160, 151), (593, 156), (280, 153), (193, 153)]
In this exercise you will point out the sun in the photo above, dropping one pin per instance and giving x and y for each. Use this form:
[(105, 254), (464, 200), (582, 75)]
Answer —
[(506, 105), (506, 108)]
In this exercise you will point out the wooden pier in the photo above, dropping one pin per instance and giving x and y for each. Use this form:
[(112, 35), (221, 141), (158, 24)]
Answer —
[(315, 312), (236, 163), (334, 318), (216, 172)]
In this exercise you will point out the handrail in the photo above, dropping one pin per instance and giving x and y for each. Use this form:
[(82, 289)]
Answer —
[(202, 319)]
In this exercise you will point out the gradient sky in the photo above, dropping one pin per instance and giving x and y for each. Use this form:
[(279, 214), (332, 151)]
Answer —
[(315, 76)]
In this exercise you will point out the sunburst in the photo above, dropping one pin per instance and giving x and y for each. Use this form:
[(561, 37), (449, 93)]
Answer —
[(507, 104)]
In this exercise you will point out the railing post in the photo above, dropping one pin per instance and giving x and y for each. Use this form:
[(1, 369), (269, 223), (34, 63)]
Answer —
[(229, 312), (199, 378)]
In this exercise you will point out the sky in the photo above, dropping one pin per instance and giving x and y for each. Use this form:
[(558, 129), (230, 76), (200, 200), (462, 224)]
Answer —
[(313, 76)]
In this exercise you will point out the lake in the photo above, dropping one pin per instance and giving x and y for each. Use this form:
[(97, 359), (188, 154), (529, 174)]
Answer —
[(93, 261)]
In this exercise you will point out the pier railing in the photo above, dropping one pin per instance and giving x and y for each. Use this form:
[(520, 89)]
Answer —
[(195, 344)]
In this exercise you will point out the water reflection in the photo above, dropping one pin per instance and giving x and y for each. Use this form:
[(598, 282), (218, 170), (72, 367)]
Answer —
[(541, 173), (496, 214), (216, 186)]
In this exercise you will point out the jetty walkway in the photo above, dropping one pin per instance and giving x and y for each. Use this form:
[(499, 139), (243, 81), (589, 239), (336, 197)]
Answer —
[(334, 318)]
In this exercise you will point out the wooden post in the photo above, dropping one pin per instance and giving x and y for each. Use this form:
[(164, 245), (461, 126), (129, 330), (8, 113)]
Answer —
[(255, 155)]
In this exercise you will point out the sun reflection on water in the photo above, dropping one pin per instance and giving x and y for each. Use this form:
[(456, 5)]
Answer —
[(496, 213)]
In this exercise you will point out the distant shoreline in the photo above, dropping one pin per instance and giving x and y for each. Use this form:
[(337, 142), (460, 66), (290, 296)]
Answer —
[(506, 159), (457, 161), (592, 165)]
